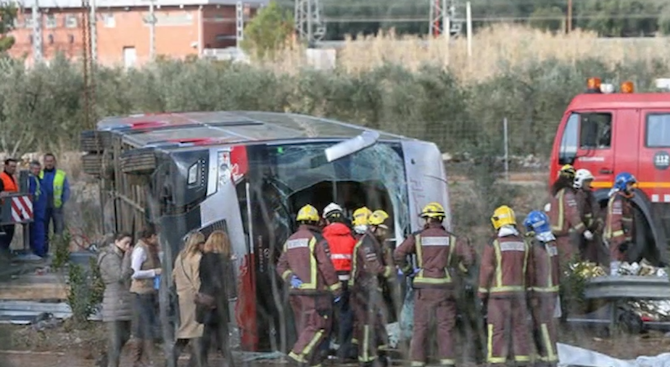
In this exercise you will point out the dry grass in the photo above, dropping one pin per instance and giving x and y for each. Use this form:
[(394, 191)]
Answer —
[(494, 49)]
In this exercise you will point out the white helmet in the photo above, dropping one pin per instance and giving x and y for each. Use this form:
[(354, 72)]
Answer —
[(331, 209), (580, 176)]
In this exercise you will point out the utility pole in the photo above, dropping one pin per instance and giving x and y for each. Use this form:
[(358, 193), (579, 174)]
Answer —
[(93, 31), (239, 23), (37, 32), (87, 63), (152, 31), (308, 21), (569, 20)]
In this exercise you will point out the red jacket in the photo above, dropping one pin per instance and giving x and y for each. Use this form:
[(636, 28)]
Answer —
[(342, 245)]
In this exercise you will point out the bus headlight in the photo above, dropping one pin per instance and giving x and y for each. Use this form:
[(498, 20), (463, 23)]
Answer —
[(193, 174)]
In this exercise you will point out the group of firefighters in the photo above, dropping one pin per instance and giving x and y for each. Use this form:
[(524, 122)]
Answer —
[(335, 268)]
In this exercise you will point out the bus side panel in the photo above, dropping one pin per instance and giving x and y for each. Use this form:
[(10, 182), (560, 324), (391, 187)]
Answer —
[(426, 179)]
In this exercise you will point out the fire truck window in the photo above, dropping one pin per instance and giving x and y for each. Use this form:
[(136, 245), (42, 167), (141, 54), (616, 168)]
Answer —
[(658, 130), (595, 131), (569, 140)]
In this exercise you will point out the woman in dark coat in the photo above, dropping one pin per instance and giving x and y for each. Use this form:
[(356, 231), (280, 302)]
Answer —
[(217, 285)]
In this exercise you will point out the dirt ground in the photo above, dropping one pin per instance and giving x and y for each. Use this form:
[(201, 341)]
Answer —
[(22, 346)]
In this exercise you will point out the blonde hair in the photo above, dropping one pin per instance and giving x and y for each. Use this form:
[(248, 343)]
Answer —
[(193, 243), (218, 242)]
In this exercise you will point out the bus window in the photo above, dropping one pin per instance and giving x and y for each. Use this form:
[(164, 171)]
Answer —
[(658, 130)]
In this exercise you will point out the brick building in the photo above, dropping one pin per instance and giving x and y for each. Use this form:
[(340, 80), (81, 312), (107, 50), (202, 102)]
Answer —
[(122, 28)]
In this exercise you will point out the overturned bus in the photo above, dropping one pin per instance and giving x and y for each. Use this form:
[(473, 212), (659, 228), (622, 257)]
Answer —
[(248, 173)]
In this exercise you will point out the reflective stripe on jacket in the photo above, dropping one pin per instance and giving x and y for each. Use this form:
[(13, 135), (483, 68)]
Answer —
[(58, 186), (305, 255), (546, 271), (619, 226), (505, 268), (341, 244), (436, 252), (369, 264)]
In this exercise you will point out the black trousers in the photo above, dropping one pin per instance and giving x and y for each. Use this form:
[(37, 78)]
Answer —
[(216, 335), (118, 333), (198, 352)]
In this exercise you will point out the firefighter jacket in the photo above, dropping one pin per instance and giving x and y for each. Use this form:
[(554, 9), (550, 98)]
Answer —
[(369, 269), (341, 244), (438, 253), (306, 255), (589, 210), (564, 214), (545, 272), (505, 268), (619, 226)]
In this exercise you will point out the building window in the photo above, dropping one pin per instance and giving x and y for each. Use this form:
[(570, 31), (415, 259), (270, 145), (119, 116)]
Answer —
[(108, 20), (50, 21), (51, 39), (70, 38), (30, 39), (18, 23), (71, 21), (170, 19), (29, 22)]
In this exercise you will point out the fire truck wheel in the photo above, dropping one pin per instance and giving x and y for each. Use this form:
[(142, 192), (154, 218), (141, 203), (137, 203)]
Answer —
[(94, 141), (138, 161)]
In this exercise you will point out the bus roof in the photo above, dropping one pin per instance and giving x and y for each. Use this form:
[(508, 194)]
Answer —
[(610, 101), (225, 127)]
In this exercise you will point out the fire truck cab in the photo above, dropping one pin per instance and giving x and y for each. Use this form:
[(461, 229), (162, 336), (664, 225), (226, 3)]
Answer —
[(608, 132), (248, 173)]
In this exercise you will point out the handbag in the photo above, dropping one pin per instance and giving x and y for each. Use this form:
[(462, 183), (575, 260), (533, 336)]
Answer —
[(200, 298)]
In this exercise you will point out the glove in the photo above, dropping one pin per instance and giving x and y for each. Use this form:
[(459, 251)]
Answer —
[(414, 272), (295, 282), (337, 299), (588, 235)]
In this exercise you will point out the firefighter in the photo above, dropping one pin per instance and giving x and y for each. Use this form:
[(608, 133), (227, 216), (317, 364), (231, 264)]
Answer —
[(438, 252), (306, 266), (589, 211), (341, 244), (564, 215), (369, 271), (503, 280), (619, 226), (545, 286), (360, 221)]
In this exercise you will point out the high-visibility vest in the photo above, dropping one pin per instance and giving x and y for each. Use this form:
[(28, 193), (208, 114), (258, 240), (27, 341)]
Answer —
[(59, 182), (8, 182)]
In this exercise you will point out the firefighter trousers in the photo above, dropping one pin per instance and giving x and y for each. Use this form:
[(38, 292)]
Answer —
[(313, 322), (508, 322), (568, 250), (544, 329), (433, 307), (370, 325)]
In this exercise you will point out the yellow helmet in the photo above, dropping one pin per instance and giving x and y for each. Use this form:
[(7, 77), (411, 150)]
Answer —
[(378, 217), (307, 213), (361, 216), (432, 210), (502, 216), (568, 171)]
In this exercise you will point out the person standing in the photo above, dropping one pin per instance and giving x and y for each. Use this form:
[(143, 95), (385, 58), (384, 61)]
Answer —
[(545, 286), (186, 276), (217, 287), (306, 266), (589, 210), (39, 199), (620, 225), (438, 252), (360, 221), (564, 214), (57, 189), (116, 272), (146, 267), (341, 244), (368, 273), (8, 185), (504, 278)]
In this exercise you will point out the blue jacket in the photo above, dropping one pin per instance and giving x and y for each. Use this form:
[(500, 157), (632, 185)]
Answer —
[(48, 187), (39, 197)]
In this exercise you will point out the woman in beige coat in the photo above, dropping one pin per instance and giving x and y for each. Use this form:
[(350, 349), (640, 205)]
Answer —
[(186, 275)]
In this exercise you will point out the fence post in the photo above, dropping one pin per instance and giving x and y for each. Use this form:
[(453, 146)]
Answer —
[(506, 142)]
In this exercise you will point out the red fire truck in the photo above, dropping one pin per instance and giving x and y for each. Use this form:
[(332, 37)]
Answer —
[(608, 132)]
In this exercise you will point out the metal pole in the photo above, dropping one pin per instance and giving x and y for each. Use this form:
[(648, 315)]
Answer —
[(468, 25), (569, 20), (446, 30), (310, 16), (93, 34), (152, 31), (37, 32), (506, 142)]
